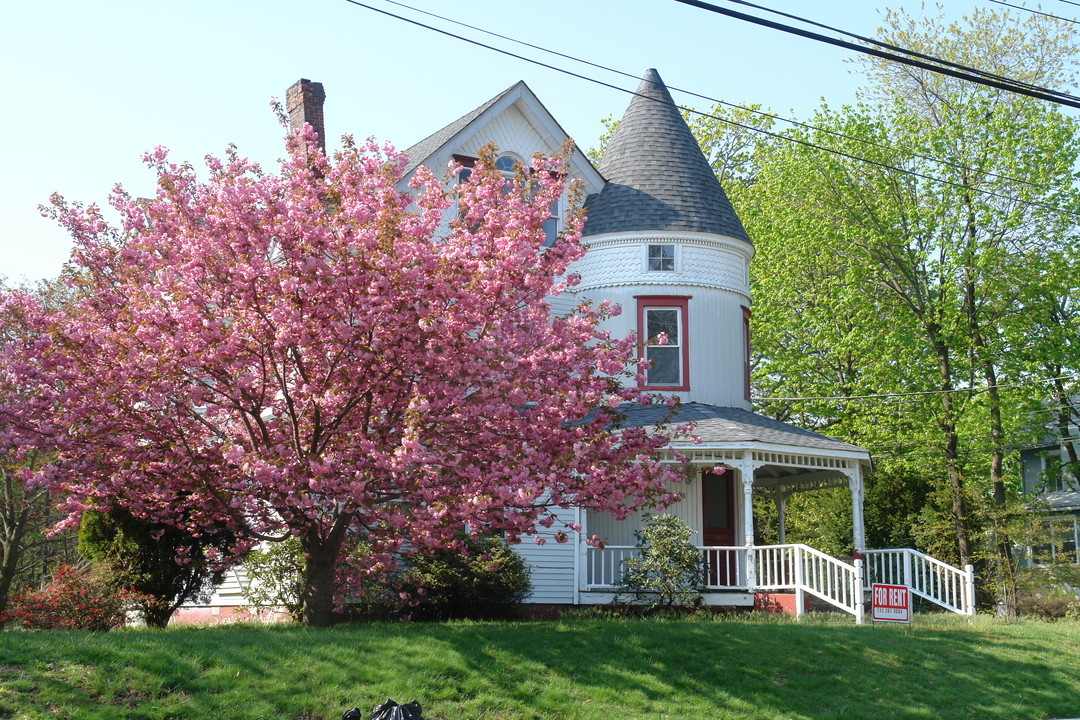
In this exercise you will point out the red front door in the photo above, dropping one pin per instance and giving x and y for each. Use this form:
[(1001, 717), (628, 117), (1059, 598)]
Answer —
[(718, 526)]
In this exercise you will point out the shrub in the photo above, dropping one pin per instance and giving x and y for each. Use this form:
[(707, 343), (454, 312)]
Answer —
[(169, 566), (668, 571), (73, 600), (484, 579), (275, 576), (1050, 606)]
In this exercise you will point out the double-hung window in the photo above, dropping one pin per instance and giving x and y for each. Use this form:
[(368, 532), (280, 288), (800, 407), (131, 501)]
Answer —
[(662, 329)]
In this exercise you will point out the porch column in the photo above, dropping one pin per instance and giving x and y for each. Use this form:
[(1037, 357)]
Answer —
[(746, 473), (781, 509), (855, 484)]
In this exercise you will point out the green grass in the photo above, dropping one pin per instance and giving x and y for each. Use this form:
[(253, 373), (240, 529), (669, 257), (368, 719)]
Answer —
[(587, 669)]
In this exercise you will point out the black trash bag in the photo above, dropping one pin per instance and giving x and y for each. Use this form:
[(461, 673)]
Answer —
[(353, 714), (390, 710)]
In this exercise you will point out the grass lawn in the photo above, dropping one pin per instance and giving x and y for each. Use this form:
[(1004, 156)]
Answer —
[(587, 669)]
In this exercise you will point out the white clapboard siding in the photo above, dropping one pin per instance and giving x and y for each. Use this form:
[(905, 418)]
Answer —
[(552, 565)]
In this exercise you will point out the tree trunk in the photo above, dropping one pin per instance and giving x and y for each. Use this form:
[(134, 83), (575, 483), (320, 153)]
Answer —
[(947, 424), (999, 523), (317, 603), (14, 530), (1065, 412), (318, 600)]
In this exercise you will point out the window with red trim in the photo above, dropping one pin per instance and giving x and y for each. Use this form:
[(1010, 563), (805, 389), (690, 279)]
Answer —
[(664, 340)]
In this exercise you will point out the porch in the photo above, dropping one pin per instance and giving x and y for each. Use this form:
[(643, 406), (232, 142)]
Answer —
[(751, 576), (735, 457)]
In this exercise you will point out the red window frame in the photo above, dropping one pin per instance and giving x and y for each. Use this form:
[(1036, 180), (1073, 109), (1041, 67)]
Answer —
[(746, 351), (666, 301)]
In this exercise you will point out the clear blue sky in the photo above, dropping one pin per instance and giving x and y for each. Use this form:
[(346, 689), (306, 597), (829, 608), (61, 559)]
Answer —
[(89, 86)]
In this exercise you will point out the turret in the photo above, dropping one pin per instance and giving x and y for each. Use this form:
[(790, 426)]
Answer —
[(665, 243)]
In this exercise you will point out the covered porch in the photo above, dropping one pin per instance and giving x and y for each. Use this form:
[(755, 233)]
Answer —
[(717, 504), (733, 456), (740, 456)]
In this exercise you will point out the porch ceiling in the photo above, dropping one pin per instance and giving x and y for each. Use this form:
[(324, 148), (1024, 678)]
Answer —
[(793, 480)]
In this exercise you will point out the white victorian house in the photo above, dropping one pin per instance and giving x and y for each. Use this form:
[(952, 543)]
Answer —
[(664, 242)]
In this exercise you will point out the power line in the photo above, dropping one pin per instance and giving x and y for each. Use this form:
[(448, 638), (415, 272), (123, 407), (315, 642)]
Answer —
[(882, 396), (1035, 12), (787, 138), (1015, 86), (761, 113), (906, 51)]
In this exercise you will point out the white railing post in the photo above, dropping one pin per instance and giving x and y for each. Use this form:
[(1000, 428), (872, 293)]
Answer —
[(969, 589), (858, 595), (800, 592), (751, 568), (907, 580)]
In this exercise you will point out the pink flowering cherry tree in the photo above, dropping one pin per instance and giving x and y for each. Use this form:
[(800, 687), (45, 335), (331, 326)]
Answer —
[(316, 353)]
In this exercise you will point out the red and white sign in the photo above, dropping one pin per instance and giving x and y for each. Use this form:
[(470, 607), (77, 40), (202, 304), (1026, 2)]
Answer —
[(890, 603)]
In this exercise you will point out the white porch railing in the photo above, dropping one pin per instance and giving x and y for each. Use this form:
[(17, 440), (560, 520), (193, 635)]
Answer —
[(929, 578), (775, 567), (725, 567), (805, 570)]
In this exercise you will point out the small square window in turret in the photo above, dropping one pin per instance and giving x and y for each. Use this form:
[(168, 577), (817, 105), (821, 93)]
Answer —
[(662, 257)]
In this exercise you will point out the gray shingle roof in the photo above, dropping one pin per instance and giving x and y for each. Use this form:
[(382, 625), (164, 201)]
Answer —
[(420, 152), (714, 424), (658, 178), (1062, 500)]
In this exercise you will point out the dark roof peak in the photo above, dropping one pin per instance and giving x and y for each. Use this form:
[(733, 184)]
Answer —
[(657, 176), (651, 81)]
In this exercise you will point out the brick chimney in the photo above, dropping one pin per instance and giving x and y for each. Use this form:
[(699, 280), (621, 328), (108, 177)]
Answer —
[(304, 103)]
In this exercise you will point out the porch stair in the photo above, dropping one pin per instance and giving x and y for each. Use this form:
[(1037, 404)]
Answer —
[(929, 578)]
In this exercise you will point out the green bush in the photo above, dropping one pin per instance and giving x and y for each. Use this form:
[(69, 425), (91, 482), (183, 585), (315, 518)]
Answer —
[(275, 575), (668, 571), (168, 566), (1050, 606), (485, 580)]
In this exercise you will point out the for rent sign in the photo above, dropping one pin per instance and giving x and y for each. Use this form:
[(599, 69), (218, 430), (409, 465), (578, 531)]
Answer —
[(890, 603)]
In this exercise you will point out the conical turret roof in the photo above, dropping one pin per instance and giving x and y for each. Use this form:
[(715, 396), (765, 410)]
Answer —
[(657, 176)]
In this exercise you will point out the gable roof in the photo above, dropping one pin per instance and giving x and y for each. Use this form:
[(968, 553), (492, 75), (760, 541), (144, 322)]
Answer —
[(520, 95), (422, 150), (658, 178)]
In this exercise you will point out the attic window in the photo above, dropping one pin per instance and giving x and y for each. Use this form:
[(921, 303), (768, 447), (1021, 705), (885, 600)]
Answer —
[(662, 258), (505, 165)]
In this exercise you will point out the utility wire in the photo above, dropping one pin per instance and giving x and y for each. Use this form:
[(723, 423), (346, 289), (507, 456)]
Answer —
[(906, 51), (761, 113), (880, 396), (1036, 12), (787, 138), (1052, 96)]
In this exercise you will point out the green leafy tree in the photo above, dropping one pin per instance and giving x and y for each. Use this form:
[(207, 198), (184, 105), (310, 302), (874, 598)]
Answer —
[(275, 575), (920, 245)]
